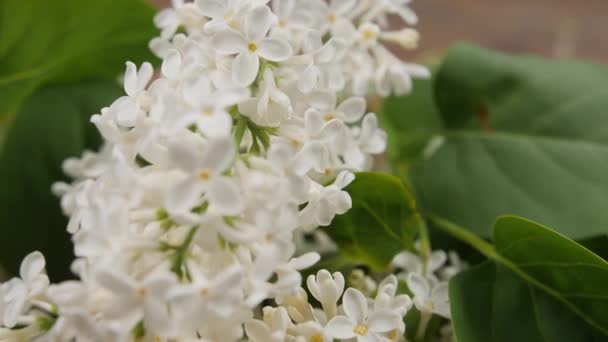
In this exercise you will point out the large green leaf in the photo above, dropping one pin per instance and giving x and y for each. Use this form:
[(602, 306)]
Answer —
[(523, 136), (44, 41), (382, 222), (540, 273), (52, 125), (490, 303), (410, 121)]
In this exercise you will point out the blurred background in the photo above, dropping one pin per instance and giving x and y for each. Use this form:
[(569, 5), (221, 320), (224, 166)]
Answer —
[(552, 28)]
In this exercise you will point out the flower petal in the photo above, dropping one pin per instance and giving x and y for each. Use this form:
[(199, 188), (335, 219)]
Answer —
[(257, 331), (130, 81), (313, 121), (182, 197), (353, 109), (114, 281), (219, 154), (245, 68), (407, 261), (383, 321), (304, 261), (218, 124), (211, 8), (308, 79), (185, 151), (258, 22), (341, 327), (418, 285), (276, 50), (355, 305), (172, 64), (229, 42), (146, 71), (224, 197), (32, 266), (436, 260)]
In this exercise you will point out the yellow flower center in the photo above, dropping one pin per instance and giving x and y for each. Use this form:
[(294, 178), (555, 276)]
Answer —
[(207, 111), (252, 47), (332, 18), (142, 292), (204, 292), (329, 117), (296, 143), (360, 329), (205, 175), (392, 334), (369, 35), (282, 23), (316, 338)]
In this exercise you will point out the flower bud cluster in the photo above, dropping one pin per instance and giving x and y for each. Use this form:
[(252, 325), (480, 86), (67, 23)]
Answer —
[(184, 222)]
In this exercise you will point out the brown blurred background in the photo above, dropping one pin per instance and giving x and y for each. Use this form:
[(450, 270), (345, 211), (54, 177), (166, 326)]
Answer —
[(554, 28)]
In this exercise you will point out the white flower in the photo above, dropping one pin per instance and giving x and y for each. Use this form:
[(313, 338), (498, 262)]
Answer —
[(18, 292), (196, 301), (133, 301), (349, 110), (359, 323), (133, 106), (311, 332), (371, 140), (456, 266), (398, 7), (271, 106), (223, 13), (362, 282), (209, 108), (297, 306), (182, 13), (327, 202), (338, 12), (413, 263), (203, 176), (321, 71), (251, 45), (429, 296), (387, 297), (183, 224), (293, 21), (272, 329), (327, 289), (395, 75)]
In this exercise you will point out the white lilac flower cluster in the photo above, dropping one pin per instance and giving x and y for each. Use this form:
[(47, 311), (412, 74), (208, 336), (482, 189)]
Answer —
[(184, 222)]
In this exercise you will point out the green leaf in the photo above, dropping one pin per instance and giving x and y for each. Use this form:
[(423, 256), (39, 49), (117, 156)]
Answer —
[(554, 270), (491, 303), (410, 121), (382, 222), (523, 136), (59, 41), (52, 125), (598, 245)]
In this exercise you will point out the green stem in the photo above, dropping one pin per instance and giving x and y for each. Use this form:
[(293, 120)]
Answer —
[(179, 258), (425, 318), (425, 241), (462, 234), (239, 131)]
